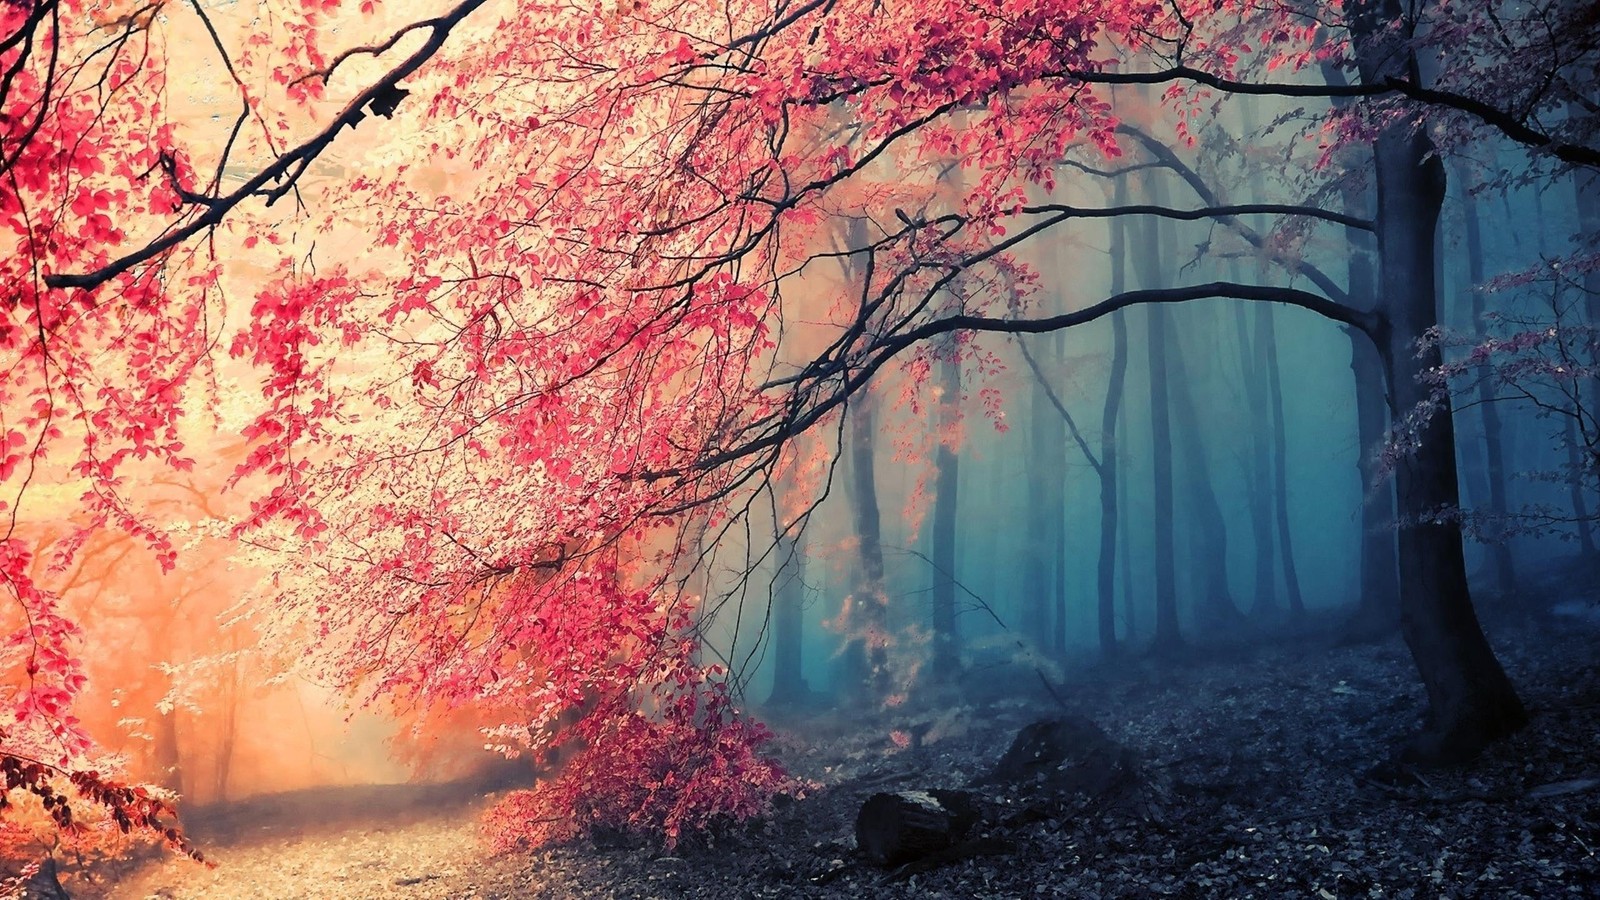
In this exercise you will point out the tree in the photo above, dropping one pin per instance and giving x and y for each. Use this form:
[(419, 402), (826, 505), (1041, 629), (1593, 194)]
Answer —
[(1494, 525), (496, 423)]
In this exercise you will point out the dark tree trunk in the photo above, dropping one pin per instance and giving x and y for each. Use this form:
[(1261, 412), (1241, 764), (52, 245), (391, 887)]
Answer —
[(1502, 569), (1105, 576), (788, 622), (1586, 185), (868, 621), (1267, 339), (1268, 415), (1377, 611), (228, 728), (1470, 700), (1265, 600), (947, 463), (1378, 608), (1216, 607), (1130, 599), (1167, 635), (1058, 584)]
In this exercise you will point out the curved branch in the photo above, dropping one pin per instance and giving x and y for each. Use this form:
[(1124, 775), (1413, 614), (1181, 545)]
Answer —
[(1507, 124), (853, 379), (1066, 415), (1164, 154), (1369, 323), (285, 169), (1210, 212)]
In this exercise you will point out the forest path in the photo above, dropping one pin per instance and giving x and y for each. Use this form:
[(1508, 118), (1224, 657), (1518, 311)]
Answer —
[(351, 843)]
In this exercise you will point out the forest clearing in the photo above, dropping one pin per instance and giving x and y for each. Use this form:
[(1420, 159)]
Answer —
[(1090, 448)]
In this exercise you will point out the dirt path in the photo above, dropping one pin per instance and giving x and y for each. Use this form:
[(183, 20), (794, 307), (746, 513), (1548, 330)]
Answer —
[(381, 841)]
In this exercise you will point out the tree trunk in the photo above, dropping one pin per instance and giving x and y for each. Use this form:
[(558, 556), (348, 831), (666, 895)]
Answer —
[(228, 728), (1267, 407), (788, 621), (1500, 563), (1216, 607), (1377, 610), (1058, 584), (1586, 185), (1105, 576), (946, 640), (868, 621), (164, 745), (1130, 605), (1267, 338), (1167, 635), (1265, 601), (1470, 700), (1378, 607)]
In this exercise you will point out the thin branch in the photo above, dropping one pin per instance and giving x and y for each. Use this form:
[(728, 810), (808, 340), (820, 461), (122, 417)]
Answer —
[(286, 169), (1050, 394), (1507, 124)]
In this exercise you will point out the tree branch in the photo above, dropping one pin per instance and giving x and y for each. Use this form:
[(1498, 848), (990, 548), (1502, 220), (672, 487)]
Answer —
[(850, 379), (285, 169), (1209, 212), (1507, 124), (1170, 159)]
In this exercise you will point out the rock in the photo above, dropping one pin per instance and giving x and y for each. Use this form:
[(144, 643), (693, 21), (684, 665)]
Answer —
[(897, 828), (1071, 755)]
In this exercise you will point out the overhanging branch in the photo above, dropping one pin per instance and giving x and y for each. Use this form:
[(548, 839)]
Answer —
[(846, 380), (277, 178), (1507, 124), (1208, 212)]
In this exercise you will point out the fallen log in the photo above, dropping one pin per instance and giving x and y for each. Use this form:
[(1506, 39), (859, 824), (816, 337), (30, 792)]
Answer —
[(897, 828)]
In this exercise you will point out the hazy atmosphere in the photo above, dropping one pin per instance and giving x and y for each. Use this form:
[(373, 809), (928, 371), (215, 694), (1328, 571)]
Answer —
[(817, 449)]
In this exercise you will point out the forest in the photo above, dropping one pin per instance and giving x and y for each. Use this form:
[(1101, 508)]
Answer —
[(816, 448)]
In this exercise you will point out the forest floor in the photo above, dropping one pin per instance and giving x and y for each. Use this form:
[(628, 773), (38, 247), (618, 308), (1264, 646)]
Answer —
[(1259, 773)]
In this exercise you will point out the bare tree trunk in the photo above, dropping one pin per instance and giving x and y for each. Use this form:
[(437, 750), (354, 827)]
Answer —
[(1105, 575), (1130, 605), (788, 621), (1267, 339), (228, 728), (164, 746), (1378, 608), (1268, 416), (1058, 583), (1377, 611), (1216, 607), (947, 463), (1265, 602), (1470, 700), (1501, 566), (1167, 635), (869, 615), (1586, 186)]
